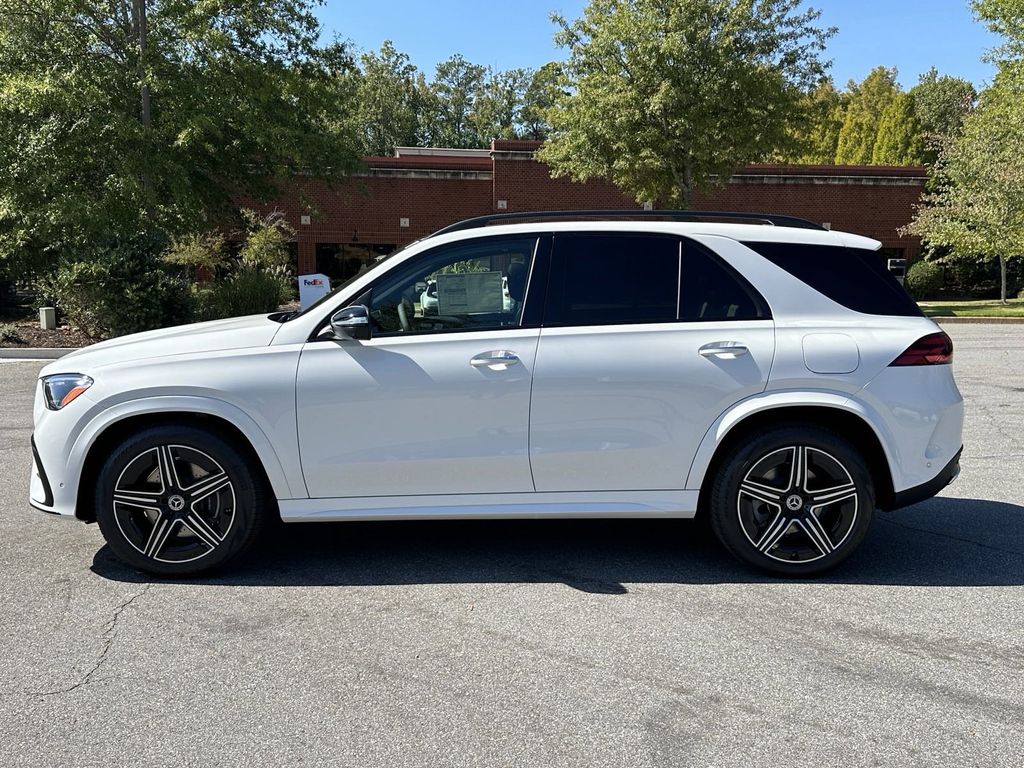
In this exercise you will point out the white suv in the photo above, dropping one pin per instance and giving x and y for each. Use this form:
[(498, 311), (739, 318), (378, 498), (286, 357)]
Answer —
[(769, 375)]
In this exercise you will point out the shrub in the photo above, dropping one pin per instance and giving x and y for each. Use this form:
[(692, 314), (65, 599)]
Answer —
[(267, 239), (122, 289), (249, 290), (924, 280), (257, 281), (198, 253), (971, 277), (9, 334)]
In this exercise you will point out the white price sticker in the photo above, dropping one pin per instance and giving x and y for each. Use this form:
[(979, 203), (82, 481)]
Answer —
[(469, 293)]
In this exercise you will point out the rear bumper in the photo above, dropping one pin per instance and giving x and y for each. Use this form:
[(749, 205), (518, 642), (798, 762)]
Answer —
[(926, 490)]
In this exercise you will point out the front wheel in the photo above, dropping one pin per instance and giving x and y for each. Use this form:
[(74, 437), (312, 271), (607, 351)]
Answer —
[(794, 501), (179, 500)]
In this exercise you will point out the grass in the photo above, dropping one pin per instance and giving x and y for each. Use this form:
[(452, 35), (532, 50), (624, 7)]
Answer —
[(983, 308)]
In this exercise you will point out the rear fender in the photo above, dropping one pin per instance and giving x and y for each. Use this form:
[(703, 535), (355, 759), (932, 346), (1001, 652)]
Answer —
[(742, 410)]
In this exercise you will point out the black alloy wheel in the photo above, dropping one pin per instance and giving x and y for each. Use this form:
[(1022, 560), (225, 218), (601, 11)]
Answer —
[(793, 501), (179, 500)]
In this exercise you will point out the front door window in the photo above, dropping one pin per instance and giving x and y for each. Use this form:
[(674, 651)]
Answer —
[(473, 286)]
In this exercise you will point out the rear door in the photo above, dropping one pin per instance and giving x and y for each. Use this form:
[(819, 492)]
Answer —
[(646, 339)]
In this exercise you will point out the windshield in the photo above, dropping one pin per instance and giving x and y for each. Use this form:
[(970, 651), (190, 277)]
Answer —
[(346, 284)]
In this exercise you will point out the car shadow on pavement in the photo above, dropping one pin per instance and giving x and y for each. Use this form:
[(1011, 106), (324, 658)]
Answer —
[(940, 542)]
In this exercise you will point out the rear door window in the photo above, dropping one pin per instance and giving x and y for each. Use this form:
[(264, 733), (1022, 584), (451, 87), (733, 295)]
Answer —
[(600, 278), (854, 277), (604, 278)]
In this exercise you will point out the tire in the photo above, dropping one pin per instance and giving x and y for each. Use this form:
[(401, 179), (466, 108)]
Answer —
[(180, 500), (794, 500)]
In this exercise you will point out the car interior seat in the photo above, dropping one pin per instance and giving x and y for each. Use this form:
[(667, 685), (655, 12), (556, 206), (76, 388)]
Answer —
[(517, 283)]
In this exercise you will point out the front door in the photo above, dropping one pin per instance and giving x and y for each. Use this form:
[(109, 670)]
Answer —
[(646, 340), (438, 400)]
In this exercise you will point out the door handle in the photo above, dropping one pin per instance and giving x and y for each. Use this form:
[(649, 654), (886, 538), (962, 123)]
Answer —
[(497, 360), (727, 350)]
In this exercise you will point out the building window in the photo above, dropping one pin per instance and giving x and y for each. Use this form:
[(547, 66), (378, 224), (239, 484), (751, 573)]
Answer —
[(341, 261)]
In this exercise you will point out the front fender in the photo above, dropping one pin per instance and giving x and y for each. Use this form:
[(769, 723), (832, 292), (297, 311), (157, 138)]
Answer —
[(767, 401), (109, 416)]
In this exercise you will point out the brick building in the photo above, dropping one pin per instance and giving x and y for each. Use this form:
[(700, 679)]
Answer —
[(399, 199)]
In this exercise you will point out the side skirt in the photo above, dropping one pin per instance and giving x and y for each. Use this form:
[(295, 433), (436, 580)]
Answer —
[(672, 504)]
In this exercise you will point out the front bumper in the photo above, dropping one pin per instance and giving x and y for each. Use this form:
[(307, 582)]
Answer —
[(925, 491), (40, 493)]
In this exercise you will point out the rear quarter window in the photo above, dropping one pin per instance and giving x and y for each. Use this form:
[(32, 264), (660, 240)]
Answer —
[(853, 277)]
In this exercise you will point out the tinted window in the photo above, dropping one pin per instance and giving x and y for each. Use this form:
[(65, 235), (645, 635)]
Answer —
[(854, 277), (711, 290), (608, 279), (472, 286)]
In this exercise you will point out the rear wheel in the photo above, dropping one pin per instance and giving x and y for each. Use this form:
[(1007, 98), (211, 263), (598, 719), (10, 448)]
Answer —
[(794, 500), (179, 500)]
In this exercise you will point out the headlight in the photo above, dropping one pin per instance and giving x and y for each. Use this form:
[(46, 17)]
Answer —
[(61, 389)]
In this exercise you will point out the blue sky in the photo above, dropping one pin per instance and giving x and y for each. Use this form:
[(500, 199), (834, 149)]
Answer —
[(911, 35)]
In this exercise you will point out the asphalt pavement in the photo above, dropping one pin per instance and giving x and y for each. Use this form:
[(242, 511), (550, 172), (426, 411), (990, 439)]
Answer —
[(534, 643)]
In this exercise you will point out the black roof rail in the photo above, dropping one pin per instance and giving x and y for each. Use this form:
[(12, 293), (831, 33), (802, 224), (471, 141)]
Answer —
[(764, 218)]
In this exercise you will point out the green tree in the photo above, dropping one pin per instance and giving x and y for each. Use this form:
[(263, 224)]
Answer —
[(977, 203), (1006, 19), (449, 101), (900, 140), (546, 87), (124, 116), (816, 131), (940, 104), (387, 101), (868, 102), (665, 97), (498, 105)]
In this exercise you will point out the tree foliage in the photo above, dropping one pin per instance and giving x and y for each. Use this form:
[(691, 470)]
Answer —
[(118, 288), (977, 203), (449, 103), (114, 121), (900, 140), (867, 103), (940, 104), (498, 104), (847, 126), (388, 101), (665, 97), (1006, 19), (198, 252), (464, 105), (547, 87), (816, 133)]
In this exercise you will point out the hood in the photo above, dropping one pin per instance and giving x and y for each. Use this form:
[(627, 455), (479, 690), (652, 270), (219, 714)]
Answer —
[(212, 336)]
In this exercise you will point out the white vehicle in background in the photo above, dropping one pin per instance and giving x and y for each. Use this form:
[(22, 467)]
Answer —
[(768, 374)]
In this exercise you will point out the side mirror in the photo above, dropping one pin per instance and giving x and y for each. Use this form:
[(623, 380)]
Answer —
[(352, 322)]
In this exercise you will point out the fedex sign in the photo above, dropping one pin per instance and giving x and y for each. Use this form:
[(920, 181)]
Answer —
[(312, 288)]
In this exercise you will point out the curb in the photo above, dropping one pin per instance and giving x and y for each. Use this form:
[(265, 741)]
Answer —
[(35, 353), (978, 320)]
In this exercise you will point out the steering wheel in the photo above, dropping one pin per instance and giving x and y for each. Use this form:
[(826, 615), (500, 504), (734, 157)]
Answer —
[(405, 311)]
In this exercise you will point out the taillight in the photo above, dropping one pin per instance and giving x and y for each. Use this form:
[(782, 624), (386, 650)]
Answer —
[(933, 349)]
